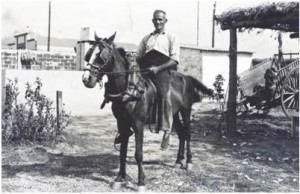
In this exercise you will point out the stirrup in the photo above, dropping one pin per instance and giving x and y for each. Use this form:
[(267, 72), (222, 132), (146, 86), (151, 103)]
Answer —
[(117, 140), (118, 137)]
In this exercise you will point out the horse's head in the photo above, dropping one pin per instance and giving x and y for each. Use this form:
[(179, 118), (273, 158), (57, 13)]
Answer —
[(99, 60)]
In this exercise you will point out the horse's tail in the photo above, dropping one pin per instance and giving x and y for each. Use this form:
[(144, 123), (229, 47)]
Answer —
[(200, 87)]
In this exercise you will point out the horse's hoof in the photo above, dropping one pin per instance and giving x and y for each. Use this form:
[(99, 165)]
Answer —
[(141, 189), (178, 166), (116, 185), (189, 167)]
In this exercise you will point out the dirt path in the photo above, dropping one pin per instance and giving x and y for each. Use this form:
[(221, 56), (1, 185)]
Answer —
[(261, 158)]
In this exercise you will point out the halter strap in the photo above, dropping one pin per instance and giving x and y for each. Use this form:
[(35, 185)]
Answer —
[(105, 44)]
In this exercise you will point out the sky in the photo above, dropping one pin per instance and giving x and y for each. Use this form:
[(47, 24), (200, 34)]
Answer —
[(131, 19)]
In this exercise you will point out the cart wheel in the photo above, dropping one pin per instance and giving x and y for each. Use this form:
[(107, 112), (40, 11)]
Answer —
[(290, 92)]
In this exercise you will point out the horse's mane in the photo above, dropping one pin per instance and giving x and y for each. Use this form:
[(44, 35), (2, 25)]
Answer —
[(122, 53)]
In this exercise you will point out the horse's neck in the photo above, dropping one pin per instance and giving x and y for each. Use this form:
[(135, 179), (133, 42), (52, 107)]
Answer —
[(118, 79), (135, 75)]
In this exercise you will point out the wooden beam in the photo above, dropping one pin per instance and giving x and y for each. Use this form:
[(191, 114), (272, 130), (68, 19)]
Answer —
[(270, 23), (231, 103)]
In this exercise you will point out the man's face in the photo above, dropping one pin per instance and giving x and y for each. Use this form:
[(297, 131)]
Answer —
[(159, 20)]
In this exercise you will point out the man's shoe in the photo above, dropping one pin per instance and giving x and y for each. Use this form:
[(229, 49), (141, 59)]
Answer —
[(166, 141), (155, 130)]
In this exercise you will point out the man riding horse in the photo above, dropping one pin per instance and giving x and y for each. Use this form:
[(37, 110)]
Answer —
[(159, 52), (103, 58)]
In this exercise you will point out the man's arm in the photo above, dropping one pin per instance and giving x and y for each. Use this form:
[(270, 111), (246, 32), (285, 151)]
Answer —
[(174, 50), (141, 50), (170, 63)]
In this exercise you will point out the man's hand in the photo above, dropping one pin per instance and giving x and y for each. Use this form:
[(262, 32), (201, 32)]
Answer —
[(154, 69)]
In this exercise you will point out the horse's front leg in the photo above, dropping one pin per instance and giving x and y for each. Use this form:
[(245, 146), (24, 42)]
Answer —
[(139, 136), (125, 134)]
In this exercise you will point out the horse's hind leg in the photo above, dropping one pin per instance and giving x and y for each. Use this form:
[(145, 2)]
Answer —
[(186, 117), (179, 129)]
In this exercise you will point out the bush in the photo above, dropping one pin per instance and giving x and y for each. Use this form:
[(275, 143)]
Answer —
[(219, 91), (218, 87), (32, 121)]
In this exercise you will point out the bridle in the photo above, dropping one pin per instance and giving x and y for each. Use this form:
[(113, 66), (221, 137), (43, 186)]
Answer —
[(106, 55)]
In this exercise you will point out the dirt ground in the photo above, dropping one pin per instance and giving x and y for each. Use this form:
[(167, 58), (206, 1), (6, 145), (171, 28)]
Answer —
[(261, 158)]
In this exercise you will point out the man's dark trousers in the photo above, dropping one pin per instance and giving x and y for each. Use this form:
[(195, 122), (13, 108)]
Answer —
[(162, 81)]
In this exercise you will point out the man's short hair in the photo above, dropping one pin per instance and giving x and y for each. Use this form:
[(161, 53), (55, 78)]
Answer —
[(159, 11)]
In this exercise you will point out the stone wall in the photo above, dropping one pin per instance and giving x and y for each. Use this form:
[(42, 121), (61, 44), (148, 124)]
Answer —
[(38, 60), (190, 62), (9, 59)]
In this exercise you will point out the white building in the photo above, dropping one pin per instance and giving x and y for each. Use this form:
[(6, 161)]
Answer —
[(32, 41), (206, 63)]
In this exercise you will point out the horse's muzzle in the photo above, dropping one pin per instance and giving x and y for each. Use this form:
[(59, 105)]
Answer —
[(88, 80)]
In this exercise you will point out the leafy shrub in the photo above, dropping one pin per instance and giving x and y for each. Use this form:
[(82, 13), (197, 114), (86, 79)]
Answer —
[(218, 87), (219, 91), (33, 120)]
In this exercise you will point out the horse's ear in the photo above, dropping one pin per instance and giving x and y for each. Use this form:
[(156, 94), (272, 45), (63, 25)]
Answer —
[(96, 37), (112, 38)]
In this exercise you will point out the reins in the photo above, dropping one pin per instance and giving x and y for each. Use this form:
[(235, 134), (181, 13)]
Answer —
[(127, 71)]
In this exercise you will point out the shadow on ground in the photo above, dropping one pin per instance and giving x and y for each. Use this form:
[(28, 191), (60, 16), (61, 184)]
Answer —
[(68, 166)]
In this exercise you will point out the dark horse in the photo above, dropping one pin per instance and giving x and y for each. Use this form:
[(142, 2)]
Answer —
[(104, 58)]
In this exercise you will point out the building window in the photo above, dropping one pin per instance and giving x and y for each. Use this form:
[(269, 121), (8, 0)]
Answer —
[(21, 41)]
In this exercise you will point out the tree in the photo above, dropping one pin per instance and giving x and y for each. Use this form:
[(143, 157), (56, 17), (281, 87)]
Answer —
[(218, 85)]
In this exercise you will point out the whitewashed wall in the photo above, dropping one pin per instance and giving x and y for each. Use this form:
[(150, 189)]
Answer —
[(214, 64), (78, 99)]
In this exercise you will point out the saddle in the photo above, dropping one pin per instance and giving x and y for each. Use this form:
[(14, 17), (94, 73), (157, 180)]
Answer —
[(136, 87)]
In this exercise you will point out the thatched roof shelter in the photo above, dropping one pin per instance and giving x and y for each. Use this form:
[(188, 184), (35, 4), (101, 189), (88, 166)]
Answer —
[(283, 16)]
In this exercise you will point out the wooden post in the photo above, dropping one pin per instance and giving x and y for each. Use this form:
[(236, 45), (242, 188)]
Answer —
[(231, 103), (58, 107), (198, 23), (213, 26), (49, 27), (19, 64), (294, 122), (280, 54)]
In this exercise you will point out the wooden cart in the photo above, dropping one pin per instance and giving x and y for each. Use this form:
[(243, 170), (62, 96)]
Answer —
[(254, 90)]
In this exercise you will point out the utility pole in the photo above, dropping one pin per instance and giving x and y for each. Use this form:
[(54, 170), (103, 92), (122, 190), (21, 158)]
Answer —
[(213, 26), (198, 23), (130, 16), (49, 27)]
